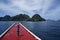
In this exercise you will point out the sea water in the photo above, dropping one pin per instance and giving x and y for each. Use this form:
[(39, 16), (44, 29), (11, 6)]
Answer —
[(46, 30)]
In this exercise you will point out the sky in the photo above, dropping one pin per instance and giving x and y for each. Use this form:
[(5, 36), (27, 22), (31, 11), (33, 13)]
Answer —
[(48, 9)]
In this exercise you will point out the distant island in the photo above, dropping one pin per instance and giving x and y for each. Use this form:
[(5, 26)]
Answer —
[(22, 17)]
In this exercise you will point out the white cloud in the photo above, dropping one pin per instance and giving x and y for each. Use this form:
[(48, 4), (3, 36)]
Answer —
[(54, 14), (18, 6), (46, 5), (28, 4)]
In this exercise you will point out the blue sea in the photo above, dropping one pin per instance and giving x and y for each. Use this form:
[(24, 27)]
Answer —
[(46, 30)]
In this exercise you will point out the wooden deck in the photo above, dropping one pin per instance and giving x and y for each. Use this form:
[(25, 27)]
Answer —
[(18, 33)]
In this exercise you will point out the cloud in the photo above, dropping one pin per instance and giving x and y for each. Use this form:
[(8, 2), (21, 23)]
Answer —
[(5, 1), (48, 9), (18, 6), (28, 4), (53, 12)]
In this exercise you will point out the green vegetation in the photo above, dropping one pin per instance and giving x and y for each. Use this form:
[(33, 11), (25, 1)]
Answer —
[(37, 17), (22, 17)]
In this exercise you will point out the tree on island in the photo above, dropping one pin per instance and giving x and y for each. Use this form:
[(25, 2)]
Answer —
[(5, 18), (22, 17), (37, 17)]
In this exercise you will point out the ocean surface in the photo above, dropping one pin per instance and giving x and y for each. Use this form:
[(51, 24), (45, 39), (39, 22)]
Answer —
[(46, 30)]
